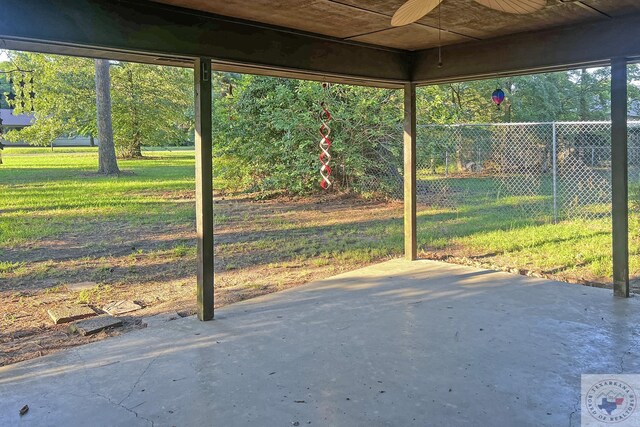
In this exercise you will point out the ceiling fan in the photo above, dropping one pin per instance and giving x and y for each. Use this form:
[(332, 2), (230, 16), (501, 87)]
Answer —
[(413, 10)]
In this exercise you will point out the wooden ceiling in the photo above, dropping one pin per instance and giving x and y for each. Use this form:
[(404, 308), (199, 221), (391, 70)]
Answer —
[(368, 21)]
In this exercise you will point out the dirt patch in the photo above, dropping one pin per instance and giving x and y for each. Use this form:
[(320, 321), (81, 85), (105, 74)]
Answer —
[(261, 247), (33, 342)]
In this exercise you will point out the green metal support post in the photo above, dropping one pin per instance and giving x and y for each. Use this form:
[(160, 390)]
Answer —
[(204, 187), (619, 178)]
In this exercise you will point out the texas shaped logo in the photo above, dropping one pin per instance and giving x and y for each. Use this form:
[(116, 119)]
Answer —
[(610, 406)]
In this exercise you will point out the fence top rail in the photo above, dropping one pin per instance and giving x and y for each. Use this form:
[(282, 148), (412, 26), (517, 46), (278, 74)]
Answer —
[(603, 122)]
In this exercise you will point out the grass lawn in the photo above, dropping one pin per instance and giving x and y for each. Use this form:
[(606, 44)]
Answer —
[(45, 194), (68, 236), (518, 233), (63, 228)]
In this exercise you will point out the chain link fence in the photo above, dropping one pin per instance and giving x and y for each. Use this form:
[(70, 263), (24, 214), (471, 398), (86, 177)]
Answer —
[(556, 170)]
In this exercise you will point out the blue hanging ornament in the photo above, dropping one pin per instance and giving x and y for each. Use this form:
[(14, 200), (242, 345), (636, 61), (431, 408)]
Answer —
[(497, 96)]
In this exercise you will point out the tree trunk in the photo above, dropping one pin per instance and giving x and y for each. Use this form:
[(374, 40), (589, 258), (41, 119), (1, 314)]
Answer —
[(107, 163), (136, 144)]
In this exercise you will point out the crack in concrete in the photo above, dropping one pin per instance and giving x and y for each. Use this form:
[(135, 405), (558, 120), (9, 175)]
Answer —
[(125, 408), (575, 411), (107, 398), (624, 355), (102, 396), (138, 380)]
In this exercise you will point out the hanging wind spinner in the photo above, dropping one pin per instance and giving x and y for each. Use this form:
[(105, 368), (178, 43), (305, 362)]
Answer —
[(325, 144)]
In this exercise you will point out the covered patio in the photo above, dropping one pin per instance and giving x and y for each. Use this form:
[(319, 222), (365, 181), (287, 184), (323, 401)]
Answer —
[(402, 343), (396, 344), (351, 42)]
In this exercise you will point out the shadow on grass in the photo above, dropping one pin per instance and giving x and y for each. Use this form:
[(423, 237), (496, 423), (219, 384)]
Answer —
[(355, 241)]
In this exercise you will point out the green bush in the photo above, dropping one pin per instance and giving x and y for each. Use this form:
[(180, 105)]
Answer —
[(231, 174), (270, 128)]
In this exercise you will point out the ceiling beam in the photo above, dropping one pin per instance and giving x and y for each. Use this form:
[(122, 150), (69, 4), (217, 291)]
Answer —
[(556, 49), (119, 29)]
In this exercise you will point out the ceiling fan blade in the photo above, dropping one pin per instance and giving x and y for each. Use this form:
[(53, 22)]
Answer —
[(520, 7), (413, 10)]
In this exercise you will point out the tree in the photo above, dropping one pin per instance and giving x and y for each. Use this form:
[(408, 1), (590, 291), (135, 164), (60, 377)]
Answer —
[(151, 105), (65, 103), (266, 129), (107, 163), (269, 130), (582, 94), (5, 86)]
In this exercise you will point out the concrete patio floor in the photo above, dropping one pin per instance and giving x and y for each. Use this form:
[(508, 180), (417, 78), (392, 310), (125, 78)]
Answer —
[(395, 344)]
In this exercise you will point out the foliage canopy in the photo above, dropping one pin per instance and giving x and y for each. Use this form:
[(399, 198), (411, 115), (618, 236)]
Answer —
[(151, 105), (266, 129)]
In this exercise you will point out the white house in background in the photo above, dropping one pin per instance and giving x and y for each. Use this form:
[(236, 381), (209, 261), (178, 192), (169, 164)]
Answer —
[(10, 121)]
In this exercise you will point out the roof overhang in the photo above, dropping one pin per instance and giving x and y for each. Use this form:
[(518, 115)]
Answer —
[(154, 33), (160, 34), (585, 45)]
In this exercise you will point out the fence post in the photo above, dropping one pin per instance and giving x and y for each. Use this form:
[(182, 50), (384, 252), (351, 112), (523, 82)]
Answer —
[(554, 160), (446, 164)]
